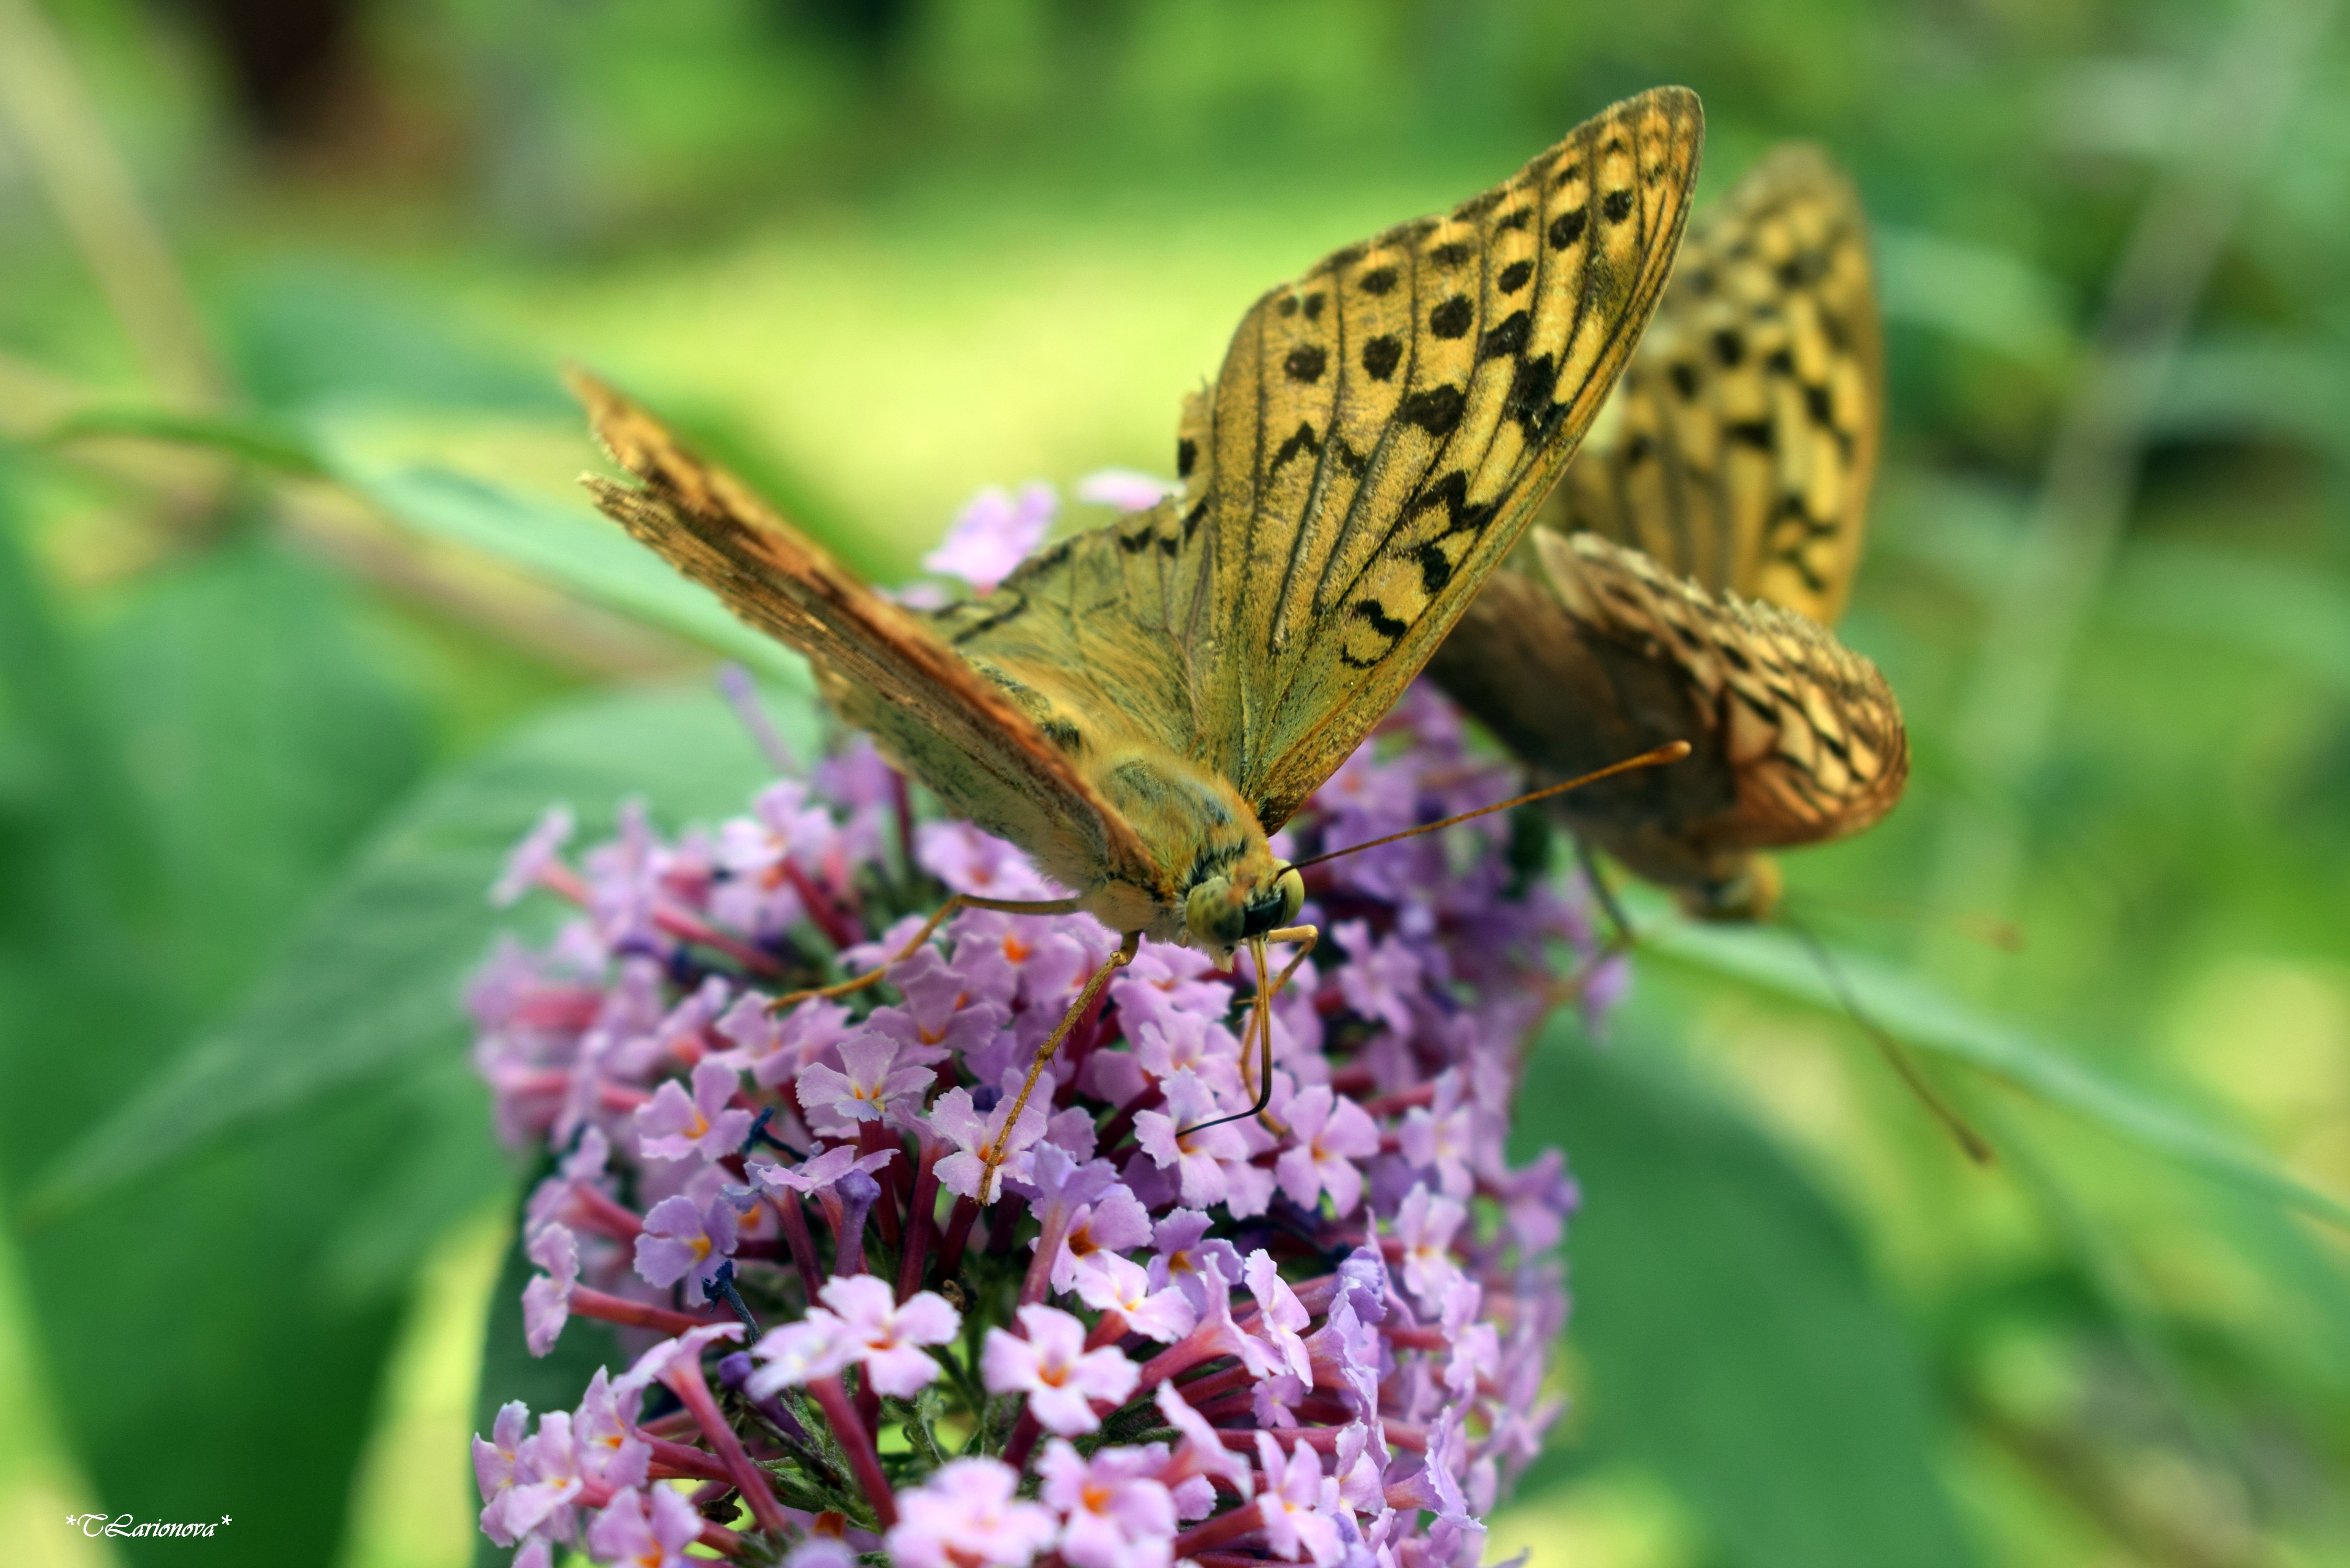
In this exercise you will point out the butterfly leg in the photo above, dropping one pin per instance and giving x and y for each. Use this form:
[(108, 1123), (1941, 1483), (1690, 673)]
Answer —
[(938, 918), (1602, 892), (1261, 1023), (993, 1154)]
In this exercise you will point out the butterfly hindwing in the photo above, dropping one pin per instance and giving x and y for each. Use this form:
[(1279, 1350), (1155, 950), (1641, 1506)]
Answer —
[(1382, 428), (967, 738), (1593, 654), (1739, 448)]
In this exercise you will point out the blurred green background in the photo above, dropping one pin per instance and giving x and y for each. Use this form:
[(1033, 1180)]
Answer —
[(301, 621)]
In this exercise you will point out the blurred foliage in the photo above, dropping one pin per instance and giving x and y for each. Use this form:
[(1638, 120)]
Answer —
[(300, 620)]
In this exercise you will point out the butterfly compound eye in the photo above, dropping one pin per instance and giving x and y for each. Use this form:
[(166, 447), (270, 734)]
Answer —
[(1277, 906), (1214, 916), (1292, 888)]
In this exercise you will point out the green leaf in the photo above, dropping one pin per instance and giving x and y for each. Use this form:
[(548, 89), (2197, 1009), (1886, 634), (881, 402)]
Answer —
[(234, 701), (571, 548), (2293, 613), (255, 439), (311, 335), (1736, 1346), (1915, 1012), (265, 736), (372, 983)]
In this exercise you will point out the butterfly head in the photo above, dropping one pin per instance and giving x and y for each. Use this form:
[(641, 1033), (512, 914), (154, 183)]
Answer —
[(1246, 900)]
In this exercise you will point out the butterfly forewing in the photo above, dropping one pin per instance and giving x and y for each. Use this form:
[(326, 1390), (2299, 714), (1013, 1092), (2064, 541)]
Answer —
[(1382, 428), (1745, 437), (881, 669)]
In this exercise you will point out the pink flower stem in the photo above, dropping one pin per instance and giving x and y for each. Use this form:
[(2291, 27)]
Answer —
[(686, 927), (1204, 1342), (922, 1224), (821, 909), (748, 1478), (1321, 1439), (1416, 1338), (958, 1223), (1048, 1248), (856, 1442), (599, 1212), (684, 1459), (1217, 1383), (564, 882), (587, 1303), (1107, 1330), (1023, 1441), (872, 1138), (1401, 1101), (1226, 1527), (793, 1220), (1317, 1295)]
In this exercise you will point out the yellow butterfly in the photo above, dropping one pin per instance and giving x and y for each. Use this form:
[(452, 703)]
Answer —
[(1139, 706), (1681, 580)]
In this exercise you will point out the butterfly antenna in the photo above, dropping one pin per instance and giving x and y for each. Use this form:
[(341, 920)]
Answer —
[(1671, 752), (1896, 1055)]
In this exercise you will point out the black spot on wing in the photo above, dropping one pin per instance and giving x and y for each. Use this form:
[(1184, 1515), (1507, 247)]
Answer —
[(1617, 206), (1728, 347), (1301, 439), (1684, 377), (1516, 218), (1452, 494), (1306, 361), (1437, 411), (1566, 228), (1014, 605), (1379, 280), (1453, 317), (1435, 566), (1530, 393), (1452, 253), (1187, 457), (1313, 304), (1508, 338), (1374, 614), (1381, 355), (1516, 277), (1751, 432)]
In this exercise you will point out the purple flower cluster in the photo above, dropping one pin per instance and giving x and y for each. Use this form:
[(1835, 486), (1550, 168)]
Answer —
[(879, 1316)]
